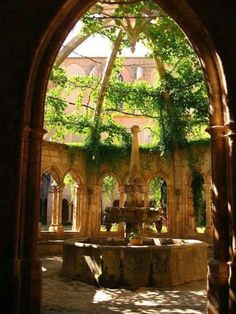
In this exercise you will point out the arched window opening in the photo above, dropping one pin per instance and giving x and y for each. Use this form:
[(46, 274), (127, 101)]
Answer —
[(48, 189), (68, 201), (158, 201), (139, 72), (199, 201), (110, 198), (44, 190), (167, 134)]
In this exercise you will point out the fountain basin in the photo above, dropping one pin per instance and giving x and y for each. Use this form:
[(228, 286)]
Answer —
[(159, 262)]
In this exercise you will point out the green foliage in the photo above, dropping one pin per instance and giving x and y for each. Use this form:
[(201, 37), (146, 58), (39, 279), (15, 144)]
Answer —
[(108, 184), (158, 192), (135, 235), (73, 150), (177, 101), (68, 180), (105, 154)]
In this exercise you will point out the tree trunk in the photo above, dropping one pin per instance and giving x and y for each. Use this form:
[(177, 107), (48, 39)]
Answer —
[(107, 74), (67, 49)]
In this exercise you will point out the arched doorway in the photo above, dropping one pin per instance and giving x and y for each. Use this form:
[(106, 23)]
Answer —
[(50, 39), (109, 198), (199, 201), (158, 200)]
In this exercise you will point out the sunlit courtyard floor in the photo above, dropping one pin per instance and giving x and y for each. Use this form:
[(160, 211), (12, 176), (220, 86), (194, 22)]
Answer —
[(62, 295)]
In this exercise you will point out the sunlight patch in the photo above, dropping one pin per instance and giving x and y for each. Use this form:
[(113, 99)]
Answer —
[(101, 296)]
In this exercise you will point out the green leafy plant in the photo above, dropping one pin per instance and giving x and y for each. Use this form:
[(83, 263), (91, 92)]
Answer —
[(135, 235), (176, 102)]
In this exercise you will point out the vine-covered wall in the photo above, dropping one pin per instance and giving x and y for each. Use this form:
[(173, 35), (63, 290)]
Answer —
[(177, 170)]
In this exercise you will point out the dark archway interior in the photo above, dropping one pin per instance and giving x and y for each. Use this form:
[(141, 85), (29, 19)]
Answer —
[(32, 33)]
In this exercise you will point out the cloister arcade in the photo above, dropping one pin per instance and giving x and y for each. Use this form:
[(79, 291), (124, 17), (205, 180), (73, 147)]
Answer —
[(85, 198)]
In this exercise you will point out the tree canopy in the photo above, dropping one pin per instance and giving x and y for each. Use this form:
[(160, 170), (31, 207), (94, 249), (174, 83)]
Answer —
[(177, 102)]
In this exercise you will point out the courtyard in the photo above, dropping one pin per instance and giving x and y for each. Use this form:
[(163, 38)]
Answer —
[(63, 295)]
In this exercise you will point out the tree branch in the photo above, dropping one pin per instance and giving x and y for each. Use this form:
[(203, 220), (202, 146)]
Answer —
[(70, 102), (121, 2), (131, 114)]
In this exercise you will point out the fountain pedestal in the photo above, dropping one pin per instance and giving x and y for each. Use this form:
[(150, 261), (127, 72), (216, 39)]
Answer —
[(133, 214)]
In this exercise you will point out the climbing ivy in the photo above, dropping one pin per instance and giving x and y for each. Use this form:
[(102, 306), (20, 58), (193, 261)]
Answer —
[(177, 101)]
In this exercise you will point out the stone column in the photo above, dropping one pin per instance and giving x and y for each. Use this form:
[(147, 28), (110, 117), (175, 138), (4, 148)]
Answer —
[(121, 229), (176, 227), (97, 200), (94, 211), (207, 189), (83, 210), (231, 137), (170, 205), (54, 195), (135, 168), (76, 209), (218, 270), (59, 206), (30, 263), (146, 226), (146, 195), (189, 219), (122, 196), (56, 225)]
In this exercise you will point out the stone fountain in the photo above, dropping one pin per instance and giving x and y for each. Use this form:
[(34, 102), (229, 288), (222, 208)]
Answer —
[(111, 262), (134, 214)]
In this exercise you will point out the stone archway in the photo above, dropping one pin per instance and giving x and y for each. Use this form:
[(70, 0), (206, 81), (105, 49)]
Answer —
[(41, 53)]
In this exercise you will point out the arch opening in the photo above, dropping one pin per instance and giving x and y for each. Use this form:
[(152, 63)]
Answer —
[(42, 71)]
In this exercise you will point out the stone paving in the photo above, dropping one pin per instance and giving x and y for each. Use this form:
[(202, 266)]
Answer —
[(63, 295)]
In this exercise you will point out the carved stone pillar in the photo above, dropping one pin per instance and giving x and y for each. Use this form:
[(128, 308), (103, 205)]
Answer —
[(190, 228), (94, 210), (83, 209), (54, 196), (218, 270), (170, 204), (59, 206), (56, 225), (231, 136), (147, 227), (97, 208), (178, 196), (30, 263), (76, 222), (207, 189), (122, 197), (146, 195)]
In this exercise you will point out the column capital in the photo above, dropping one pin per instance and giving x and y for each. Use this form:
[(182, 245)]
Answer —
[(217, 131), (230, 128), (54, 187), (97, 188), (60, 187), (33, 133), (121, 189)]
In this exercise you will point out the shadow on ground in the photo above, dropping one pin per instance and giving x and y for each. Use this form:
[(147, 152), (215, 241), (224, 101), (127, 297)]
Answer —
[(63, 295)]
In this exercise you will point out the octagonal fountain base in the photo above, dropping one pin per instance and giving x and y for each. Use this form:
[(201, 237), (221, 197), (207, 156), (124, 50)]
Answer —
[(159, 262)]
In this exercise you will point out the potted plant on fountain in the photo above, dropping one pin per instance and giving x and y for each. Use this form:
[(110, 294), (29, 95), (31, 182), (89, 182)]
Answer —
[(135, 238)]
